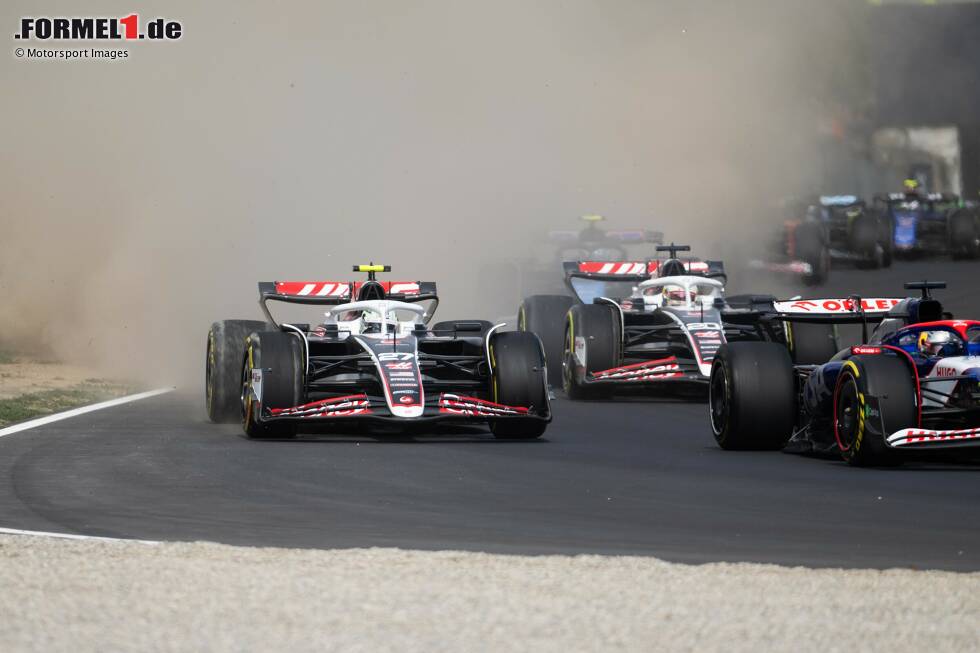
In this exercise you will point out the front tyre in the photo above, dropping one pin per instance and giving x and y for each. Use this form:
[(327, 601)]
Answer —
[(860, 428), (279, 356), (752, 396), (518, 377), (222, 367), (593, 342)]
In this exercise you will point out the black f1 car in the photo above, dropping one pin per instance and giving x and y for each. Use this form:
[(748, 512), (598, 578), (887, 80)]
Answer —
[(541, 271), (636, 324), (914, 385), (373, 359), (855, 233), (800, 247)]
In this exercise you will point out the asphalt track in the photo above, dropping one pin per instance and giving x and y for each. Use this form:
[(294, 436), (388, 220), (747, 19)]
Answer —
[(628, 477)]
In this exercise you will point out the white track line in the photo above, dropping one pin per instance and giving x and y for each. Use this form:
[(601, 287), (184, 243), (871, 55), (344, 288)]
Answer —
[(71, 536), (57, 417)]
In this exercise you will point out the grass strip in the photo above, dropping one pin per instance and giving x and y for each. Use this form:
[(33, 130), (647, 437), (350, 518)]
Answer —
[(45, 402)]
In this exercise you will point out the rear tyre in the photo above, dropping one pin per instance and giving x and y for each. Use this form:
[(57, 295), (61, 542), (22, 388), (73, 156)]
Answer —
[(811, 344), (811, 247), (519, 380), (223, 368), (864, 242), (889, 381), (544, 315), (592, 332), (280, 357), (964, 237), (752, 396), (886, 239)]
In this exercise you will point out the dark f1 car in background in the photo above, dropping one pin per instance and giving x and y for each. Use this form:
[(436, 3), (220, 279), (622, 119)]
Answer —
[(931, 223), (913, 386), (587, 281), (800, 247), (374, 360), (855, 232), (541, 271)]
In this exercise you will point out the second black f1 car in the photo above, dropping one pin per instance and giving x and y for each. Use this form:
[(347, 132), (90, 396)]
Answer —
[(372, 360), (640, 325)]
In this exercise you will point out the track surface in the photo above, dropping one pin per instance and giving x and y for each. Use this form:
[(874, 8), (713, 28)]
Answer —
[(630, 477)]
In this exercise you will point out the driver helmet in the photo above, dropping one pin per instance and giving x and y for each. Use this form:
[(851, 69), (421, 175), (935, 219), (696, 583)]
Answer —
[(677, 296), (911, 186), (372, 323), (931, 343)]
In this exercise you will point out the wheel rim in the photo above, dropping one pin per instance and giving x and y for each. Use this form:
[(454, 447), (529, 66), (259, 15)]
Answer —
[(246, 399), (567, 362), (847, 415), (718, 399)]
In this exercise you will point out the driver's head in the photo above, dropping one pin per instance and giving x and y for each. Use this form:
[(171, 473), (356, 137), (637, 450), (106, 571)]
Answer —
[(677, 296), (911, 186), (931, 343)]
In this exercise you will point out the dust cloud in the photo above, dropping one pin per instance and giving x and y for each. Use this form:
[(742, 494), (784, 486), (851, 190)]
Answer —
[(143, 198)]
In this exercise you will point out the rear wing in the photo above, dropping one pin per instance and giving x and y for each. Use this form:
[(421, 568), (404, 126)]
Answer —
[(849, 310), (637, 270), (340, 292), (609, 270)]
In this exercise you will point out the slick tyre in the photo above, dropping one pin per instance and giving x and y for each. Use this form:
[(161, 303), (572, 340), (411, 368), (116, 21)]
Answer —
[(592, 332), (280, 357), (864, 242), (223, 368), (890, 382), (518, 375), (544, 315), (964, 236), (811, 247), (886, 238), (752, 396), (811, 344)]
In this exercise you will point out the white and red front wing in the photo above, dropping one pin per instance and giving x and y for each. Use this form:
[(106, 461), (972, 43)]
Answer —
[(925, 438)]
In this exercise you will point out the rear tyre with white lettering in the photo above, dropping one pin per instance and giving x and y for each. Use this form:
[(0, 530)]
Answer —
[(875, 396), (223, 368), (518, 377), (593, 343), (811, 344), (279, 356), (752, 396)]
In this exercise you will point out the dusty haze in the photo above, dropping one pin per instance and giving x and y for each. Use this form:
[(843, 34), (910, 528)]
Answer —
[(142, 199)]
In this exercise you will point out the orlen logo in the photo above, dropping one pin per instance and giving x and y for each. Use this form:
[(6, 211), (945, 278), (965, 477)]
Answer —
[(840, 305), (97, 29)]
